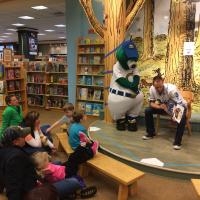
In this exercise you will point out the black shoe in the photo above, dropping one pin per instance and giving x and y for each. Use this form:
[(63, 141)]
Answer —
[(132, 124), (88, 192), (121, 124)]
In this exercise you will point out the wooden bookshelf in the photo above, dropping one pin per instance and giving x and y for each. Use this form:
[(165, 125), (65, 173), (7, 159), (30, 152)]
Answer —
[(47, 84), (90, 76), (15, 82)]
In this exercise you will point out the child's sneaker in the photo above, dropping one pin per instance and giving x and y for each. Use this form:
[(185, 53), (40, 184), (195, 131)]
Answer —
[(83, 137), (95, 147)]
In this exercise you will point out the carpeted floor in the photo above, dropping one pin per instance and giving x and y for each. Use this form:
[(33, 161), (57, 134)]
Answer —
[(150, 187)]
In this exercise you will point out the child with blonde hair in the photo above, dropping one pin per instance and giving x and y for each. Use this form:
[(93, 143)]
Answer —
[(52, 173)]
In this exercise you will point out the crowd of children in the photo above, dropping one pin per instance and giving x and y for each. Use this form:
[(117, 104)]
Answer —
[(38, 145)]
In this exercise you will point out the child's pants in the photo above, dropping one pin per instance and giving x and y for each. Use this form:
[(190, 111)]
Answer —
[(79, 156)]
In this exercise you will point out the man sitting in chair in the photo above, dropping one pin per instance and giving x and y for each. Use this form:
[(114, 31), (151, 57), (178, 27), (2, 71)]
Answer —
[(162, 97)]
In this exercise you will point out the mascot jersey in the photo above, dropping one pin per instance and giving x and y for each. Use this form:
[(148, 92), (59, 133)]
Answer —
[(124, 98)]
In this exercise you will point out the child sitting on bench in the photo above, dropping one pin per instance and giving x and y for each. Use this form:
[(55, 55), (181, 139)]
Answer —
[(51, 173)]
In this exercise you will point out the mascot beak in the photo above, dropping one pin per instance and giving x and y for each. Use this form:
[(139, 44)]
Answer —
[(131, 64)]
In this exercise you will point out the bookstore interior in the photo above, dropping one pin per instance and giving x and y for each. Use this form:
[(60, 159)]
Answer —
[(131, 67)]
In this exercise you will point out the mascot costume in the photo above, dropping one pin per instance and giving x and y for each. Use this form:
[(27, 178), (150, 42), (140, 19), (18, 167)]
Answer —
[(125, 100)]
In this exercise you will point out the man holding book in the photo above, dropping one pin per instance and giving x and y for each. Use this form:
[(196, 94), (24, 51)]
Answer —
[(165, 99)]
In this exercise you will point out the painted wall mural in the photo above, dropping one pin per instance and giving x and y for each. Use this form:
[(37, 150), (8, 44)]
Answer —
[(160, 30)]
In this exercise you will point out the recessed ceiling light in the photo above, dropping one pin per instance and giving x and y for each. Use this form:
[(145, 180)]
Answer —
[(41, 34), (39, 7), (18, 24), (166, 17), (11, 29), (4, 36), (62, 37), (60, 25), (26, 17), (49, 30), (8, 33)]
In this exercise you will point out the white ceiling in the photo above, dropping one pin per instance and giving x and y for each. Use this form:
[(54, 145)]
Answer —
[(10, 10)]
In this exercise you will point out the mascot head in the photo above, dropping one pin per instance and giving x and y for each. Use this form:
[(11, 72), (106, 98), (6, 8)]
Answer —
[(127, 55)]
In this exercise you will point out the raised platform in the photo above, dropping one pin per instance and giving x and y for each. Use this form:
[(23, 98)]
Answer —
[(130, 148)]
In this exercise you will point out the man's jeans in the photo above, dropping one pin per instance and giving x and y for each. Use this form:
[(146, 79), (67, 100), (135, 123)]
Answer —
[(150, 129)]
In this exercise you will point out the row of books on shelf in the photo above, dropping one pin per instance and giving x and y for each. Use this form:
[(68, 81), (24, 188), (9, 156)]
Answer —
[(62, 79), (91, 41), (90, 60), (36, 78), (13, 85), (35, 89), (47, 67), (90, 70), (91, 49), (90, 80), (90, 108), (36, 100), (54, 102), (57, 90), (90, 94), (12, 73), (56, 67)]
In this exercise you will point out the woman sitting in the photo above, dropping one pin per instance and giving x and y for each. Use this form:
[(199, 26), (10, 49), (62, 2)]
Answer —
[(36, 140)]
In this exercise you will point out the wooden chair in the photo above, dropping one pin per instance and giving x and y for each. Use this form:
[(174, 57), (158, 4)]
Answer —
[(188, 96)]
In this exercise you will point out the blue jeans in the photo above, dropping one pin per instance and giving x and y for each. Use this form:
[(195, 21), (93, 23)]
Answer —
[(66, 187)]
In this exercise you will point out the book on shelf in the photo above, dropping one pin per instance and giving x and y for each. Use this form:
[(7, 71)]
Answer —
[(83, 93), (2, 89), (2, 100), (88, 108), (11, 85), (99, 81), (97, 108), (81, 106), (10, 74), (97, 95)]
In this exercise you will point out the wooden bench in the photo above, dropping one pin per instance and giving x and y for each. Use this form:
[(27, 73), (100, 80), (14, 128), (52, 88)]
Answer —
[(196, 184), (125, 175)]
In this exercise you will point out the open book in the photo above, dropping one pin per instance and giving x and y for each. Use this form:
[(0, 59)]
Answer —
[(177, 113)]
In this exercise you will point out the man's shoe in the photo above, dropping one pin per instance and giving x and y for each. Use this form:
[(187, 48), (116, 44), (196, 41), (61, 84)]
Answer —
[(121, 124), (177, 147), (132, 124), (147, 137)]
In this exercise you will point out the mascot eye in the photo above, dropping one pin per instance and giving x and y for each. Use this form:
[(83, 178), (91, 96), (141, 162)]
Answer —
[(131, 63)]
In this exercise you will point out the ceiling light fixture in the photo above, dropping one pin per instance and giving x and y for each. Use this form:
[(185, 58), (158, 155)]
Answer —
[(62, 37), (4, 36), (41, 34), (26, 17), (39, 7), (8, 33), (49, 30), (60, 25), (166, 17), (11, 29), (18, 24)]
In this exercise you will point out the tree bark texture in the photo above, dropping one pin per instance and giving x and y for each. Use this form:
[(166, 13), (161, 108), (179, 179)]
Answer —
[(148, 29), (176, 37)]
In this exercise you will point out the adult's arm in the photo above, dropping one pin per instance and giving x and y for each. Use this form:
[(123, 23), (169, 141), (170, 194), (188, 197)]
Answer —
[(34, 141)]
